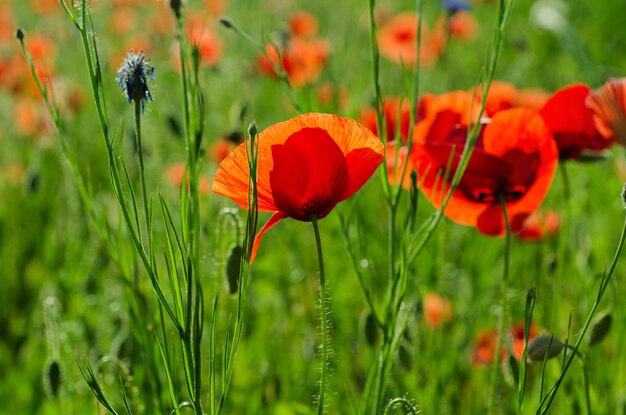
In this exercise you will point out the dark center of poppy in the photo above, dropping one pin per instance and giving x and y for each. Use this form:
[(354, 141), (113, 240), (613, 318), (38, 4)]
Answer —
[(405, 35)]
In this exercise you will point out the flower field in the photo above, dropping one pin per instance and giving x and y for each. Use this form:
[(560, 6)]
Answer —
[(288, 207)]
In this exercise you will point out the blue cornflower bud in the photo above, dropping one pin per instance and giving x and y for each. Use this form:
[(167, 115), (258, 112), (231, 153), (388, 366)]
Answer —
[(453, 6), (133, 77)]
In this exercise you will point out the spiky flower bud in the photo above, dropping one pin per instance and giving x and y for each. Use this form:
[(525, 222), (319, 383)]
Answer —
[(133, 77)]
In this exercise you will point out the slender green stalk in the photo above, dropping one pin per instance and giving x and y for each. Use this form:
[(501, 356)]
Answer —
[(325, 346), (142, 175), (548, 399), (504, 305)]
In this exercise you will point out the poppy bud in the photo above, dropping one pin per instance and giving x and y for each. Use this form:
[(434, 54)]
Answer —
[(176, 5), (53, 378), (600, 329), (252, 130), (226, 22), (233, 265), (545, 346), (19, 34), (371, 331)]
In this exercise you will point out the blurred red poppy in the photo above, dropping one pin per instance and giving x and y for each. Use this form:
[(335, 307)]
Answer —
[(303, 24), (306, 166), (609, 107), (302, 60), (541, 224), (515, 157), (462, 25), (572, 123), (437, 310), (502, 95), (486, 343), (397, 39), (397, 118)]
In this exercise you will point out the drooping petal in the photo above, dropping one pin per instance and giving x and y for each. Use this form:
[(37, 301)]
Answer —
[(273, 220), (309, 174), (609, 106), (572, 123)]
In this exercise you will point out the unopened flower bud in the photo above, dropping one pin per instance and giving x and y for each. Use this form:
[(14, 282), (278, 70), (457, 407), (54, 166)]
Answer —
[(176, 5), (600, 329), (226, 22), (545, 346), (19, 34), (252, 130)]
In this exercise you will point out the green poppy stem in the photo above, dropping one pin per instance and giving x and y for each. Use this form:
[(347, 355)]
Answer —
[(325, 347), (504, 305)]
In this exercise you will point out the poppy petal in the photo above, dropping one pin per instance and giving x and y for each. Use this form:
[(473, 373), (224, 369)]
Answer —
[(609, 105), (273, 220), (309, 174), (361, 165)]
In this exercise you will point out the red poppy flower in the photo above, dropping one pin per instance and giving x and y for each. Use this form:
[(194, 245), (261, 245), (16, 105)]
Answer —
[(609, 107), (487, 341), (306, 166), (502, 95), (515, 156), (437, 310), (533, 98), (302, 60), (303, 24), (572, 122), (541, 224), (397, 118), (462, 25), (397, 39)]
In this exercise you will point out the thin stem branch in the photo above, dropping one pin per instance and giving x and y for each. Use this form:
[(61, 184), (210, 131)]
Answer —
[(503, 307)]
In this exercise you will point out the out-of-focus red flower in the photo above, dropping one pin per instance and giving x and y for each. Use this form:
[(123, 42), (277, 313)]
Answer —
[(7, 26), (397, 39), (533, 98), (215, 7), (608, 104), (123, 20), (303, 24), (306, 166), (302, 60), (30, 118), (397, 118), (517, 341), (541, 224), (515, 158), (437, 310), (332, 96), (462, 25), (177, 172), (572, 122), (205, 39), (223, 146), (487, 342), (502, 95)]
